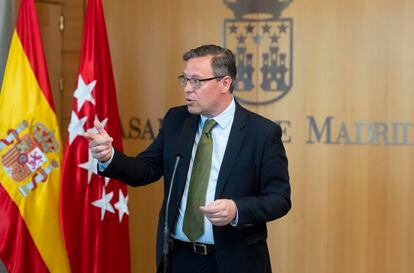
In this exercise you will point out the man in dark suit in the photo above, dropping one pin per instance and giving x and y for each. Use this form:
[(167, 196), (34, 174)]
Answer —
[(232, 179)]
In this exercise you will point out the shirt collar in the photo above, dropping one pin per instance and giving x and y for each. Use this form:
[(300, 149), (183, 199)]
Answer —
[(224, 118)]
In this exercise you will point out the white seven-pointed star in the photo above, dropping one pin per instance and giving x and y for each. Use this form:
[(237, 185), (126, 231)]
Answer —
[(76, 127), (90, 165), (84, 92), (122, 205), (104, 204)]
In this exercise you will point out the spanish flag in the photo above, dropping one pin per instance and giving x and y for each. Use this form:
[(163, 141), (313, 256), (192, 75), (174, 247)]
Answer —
[(30, 157)]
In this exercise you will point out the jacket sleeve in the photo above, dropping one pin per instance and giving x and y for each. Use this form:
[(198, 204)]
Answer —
[(145, 168)]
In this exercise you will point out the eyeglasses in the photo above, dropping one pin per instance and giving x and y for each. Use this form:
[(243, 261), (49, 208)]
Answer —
[(195, 83)]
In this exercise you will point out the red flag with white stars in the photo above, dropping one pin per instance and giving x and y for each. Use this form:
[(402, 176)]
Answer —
[(94, 209)]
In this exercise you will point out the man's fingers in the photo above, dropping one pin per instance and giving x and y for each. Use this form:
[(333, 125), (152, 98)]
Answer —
[(220, 212), (97, 139), (103, 141), (104, 154), (214, 217), (210, 213), (219, 220), (100, 128), (100, 142), (213, 207), (91, 136), (100, 148)]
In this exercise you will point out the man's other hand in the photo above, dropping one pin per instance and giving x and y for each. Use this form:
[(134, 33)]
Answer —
[(220, 212)]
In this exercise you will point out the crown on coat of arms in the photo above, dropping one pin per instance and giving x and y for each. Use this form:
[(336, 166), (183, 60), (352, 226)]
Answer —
[(45, 137), (245, 7)]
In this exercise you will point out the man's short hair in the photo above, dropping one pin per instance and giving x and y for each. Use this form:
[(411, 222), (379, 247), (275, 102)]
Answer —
[(222, 63)]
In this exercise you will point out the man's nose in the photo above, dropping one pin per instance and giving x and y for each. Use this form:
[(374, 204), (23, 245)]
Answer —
[(187, 87)]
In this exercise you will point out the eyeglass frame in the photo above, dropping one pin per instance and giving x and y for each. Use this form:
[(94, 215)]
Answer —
[(196, 81)]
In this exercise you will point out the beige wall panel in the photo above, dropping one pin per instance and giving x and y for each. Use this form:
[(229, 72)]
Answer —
[(353, 60), (69, 73), (48, 16), (73, 12)]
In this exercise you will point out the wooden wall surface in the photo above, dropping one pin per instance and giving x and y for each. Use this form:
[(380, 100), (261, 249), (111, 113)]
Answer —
[(353, 61)]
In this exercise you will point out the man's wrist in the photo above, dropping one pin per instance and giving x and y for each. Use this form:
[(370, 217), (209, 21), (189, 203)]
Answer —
[(103, 165), (235, 221)]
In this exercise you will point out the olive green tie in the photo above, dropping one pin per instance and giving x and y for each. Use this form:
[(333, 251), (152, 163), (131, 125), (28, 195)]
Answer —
[(193, 225)]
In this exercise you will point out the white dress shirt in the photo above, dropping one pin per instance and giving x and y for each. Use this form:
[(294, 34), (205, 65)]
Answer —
[(220, 134)]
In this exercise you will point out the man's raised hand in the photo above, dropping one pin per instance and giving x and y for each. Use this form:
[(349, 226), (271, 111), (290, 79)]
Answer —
[(100, 144)]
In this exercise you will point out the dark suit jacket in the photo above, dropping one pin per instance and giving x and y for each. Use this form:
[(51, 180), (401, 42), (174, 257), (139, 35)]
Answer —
[(254, 173)]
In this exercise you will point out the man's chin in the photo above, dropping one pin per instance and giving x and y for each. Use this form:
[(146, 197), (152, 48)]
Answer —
[(193, 110)]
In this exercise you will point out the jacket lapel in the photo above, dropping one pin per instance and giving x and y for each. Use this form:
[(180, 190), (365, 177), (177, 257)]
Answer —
[(234, 144), (185, 161)]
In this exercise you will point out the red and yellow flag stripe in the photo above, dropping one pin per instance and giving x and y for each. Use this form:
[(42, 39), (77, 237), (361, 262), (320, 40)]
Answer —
[(26, 98)]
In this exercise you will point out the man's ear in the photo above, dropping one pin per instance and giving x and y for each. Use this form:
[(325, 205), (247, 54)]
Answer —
[(227, 81)]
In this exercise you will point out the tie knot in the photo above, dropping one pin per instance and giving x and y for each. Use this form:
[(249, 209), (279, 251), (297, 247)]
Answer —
[(209, 125)]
